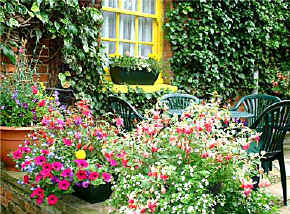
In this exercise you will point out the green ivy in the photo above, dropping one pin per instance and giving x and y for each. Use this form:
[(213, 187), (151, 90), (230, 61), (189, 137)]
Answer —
[(218, 45), (75, 29)]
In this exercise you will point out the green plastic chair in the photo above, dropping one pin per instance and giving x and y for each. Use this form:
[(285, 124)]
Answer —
[(126, 111), (254, 104), (273, 123), (177, 103)]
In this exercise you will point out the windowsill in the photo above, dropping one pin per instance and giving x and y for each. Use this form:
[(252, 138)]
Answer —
[(145, 88)]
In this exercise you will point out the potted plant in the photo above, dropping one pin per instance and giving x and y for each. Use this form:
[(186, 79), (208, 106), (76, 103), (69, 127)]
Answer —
[(194, 164), (65, 156), (23, 102), (134, 70)]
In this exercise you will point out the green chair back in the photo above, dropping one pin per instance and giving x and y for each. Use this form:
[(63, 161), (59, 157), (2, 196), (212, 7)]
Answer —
[(255, 104), (126, 111), (274, 123), (178, 102)]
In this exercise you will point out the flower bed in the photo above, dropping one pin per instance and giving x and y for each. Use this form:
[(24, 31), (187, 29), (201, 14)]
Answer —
[(199, 164)]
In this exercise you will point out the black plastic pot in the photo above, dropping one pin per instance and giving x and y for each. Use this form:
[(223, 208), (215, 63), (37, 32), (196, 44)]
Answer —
[(93, 194), (121, 75)]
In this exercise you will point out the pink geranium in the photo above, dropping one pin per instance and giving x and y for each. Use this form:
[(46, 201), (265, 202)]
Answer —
[(63, 185)]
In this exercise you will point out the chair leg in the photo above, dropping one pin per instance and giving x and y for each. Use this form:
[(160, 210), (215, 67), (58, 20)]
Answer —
[(283, 178)]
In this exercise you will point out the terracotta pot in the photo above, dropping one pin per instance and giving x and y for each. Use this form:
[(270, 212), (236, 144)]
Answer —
[(10, 138)]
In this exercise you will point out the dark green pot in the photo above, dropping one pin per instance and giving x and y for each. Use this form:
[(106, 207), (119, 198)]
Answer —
[(121, 76), (93, 194)]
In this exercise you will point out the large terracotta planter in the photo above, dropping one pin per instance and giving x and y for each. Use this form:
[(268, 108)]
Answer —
[(10, 138)]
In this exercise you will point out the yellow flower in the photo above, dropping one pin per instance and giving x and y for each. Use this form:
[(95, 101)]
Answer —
[(81, 154), (42, 85), (51, 98)]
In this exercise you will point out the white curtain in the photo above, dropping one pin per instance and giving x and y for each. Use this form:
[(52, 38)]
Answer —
[(130, 5), (144, 50), (148, 6), (127, 27), (109, 25), (110, 47), (111, 3), (145, 29)]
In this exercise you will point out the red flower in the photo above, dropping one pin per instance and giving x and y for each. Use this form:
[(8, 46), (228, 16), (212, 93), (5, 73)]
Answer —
[(17, 154), (42, 103), (26, 179), (34, 89), (67, 172), (67, 141), (152, 206), (81, 175), (107, 177), (94, 175), (52, 199), (164, 177)]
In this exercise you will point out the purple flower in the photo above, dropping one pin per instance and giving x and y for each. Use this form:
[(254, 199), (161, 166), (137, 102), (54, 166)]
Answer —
[(17, 102), (78, 121), (34, 117), (2, 107), (15, 94), (25, 105), (85, 184), (33, 111), (54, 179)]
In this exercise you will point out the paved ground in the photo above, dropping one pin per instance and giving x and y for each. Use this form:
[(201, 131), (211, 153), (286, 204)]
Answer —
[(276, 187)]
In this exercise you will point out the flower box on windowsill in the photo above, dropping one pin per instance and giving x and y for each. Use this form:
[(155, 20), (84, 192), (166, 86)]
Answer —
[(121, 75)]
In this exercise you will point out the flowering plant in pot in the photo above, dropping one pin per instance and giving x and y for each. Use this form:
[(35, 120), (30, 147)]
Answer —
[(23, 102), (64, 155), (194, 164), (134, 70)]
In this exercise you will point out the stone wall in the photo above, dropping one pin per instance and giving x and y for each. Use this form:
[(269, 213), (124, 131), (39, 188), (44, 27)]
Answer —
[(15, 199)]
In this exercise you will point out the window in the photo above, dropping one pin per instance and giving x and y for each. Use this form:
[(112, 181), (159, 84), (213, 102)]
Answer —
[(132, 27)]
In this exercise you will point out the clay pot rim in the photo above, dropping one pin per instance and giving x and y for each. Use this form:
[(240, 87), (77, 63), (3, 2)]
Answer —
[(12, 128)]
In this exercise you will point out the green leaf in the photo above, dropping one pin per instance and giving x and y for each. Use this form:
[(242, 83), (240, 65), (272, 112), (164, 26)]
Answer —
[(35, 7), (9, 53)]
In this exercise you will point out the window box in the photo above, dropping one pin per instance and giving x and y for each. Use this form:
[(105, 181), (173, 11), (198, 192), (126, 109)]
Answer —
[(121, 75)]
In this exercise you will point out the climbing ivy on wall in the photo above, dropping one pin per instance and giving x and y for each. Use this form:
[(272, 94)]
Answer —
[(218, 45), (77, 30)]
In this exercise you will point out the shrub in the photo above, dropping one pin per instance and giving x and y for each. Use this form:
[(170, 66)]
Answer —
[(199, 164), (219, 45)]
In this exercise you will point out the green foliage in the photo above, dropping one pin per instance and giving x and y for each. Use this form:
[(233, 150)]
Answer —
[(218, 45), (76, 29)]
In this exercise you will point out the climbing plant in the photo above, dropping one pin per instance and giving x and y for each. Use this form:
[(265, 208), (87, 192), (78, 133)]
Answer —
[(219, 45), (74, 28)]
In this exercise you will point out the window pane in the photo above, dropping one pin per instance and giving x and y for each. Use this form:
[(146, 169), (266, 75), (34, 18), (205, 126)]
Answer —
[(144, 50), (127, 27), (145, 29), (126, 49), (148, 6), (130, 4), (109, 26), (111, 3), (110, 47)]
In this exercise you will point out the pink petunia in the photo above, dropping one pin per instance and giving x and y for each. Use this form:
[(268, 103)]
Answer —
[(37, 192), (57, 166), (40, 160), (82, 163), (67, 141), (66, 173), (63, 185), (113, 162), (45, 173), (17, 154), (45, 152), (38, 178), (52, 199), (47, 166), (26, 149), (107, 177), (39, 200), (94, 175)]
